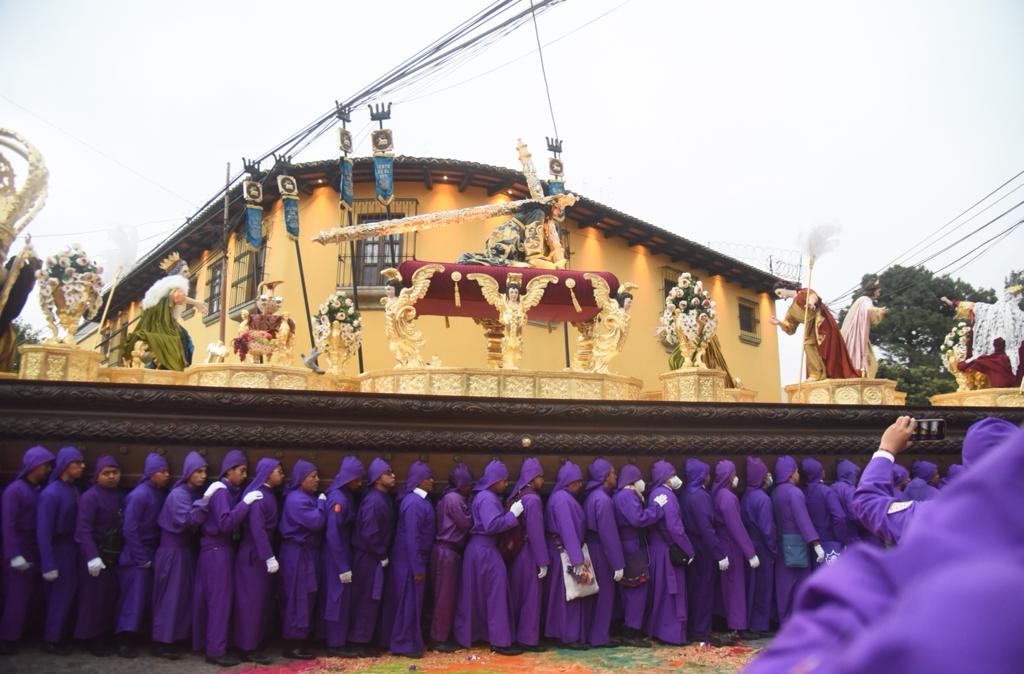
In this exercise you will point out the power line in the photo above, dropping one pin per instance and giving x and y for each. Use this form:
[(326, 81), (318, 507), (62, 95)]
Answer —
[(543, 70)]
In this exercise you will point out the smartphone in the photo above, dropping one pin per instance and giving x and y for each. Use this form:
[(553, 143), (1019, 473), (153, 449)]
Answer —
[(929, 429)]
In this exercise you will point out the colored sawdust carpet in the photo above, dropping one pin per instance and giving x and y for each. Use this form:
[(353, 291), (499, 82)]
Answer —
[(660, 659)]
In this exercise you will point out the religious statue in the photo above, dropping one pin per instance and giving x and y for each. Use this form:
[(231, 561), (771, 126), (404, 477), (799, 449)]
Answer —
[(404, 338), (827, 357), (857, 328), (614, 319), (513, 308), (266, 333), (169, 346), (996, 345)]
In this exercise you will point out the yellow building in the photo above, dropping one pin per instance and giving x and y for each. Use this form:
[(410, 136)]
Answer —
[(598, 238)]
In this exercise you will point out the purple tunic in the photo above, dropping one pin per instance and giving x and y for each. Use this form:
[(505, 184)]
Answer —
[(827, 514), (920, 487), (736, 541), (633, 520), (605, 549), (453, 523), (253, 582), (410, 559), (791, 517), (337, 552), (58, 512), (666, 620), (370, 542), (702, 578), (302, 524), (174, 565), (484, 610), (18, 513), (760, 522), (527, 589), (943, 601), (141, 537), (847, 473), (564, 521), (98, 534)]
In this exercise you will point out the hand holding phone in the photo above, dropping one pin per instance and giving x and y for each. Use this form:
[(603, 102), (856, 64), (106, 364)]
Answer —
[(929, 429), (897, 437)]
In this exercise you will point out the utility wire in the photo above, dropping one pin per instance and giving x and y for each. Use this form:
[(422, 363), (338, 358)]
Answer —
[(543, 70)]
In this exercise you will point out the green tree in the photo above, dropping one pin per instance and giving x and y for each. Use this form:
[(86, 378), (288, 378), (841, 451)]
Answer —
[(26, 334), (907, 342), (1013, 279)]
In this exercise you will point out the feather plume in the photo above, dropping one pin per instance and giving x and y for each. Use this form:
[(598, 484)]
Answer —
[(121, 254), (822, 239)]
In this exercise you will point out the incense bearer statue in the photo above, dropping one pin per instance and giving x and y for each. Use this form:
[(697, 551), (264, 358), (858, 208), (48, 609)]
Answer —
[(613, 321), (513, 307), (169, 346), (404, 338), (268, 333)]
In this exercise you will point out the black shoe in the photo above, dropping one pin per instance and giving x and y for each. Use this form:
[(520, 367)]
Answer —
[(345, 652), (532, 649), (56, 648), (506, 650), (767, 634), (166, 652), (443, 647), (298, 654), (258, 657), (414, 656), (730, 638), (226, 660), (636, 642), (748, 635), (577, 646), (127, 651), (8, 648), (100, 649)]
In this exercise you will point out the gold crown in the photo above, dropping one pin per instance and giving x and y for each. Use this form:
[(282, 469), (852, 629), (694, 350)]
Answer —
[(1015, 289), (167, 264), (514, 278)]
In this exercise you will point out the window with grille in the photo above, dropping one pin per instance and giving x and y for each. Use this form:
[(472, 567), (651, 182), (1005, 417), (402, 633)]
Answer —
[(750, 325), (248, 274), (214, 286), (377, 253), (193, 288)]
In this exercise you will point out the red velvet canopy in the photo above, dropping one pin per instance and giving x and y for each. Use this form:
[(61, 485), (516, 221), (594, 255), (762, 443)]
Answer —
[(556, 305)]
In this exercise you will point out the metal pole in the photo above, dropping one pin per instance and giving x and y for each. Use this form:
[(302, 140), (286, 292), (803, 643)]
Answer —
[(355, 285), (224, 273), (305, 295)]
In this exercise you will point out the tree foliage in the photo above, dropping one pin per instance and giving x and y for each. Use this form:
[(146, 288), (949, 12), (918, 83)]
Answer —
[(907, 342), (25, 334)]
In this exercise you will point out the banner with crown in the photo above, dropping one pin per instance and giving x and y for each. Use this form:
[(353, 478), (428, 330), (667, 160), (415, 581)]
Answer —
[(289, 189), (384, 177), (253, 193), (345, 188)]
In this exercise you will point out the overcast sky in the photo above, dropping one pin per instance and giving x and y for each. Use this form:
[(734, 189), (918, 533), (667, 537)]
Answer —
[(726, 122)]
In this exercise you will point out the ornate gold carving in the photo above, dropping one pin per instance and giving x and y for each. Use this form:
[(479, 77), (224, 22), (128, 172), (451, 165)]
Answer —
[(512, 310), (614, 320), (846, 392), (583, 359), (404, 338), (989, 397), (19, 206)]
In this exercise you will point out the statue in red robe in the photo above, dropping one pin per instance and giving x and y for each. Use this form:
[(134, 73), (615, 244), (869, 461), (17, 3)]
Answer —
[(827, 357)]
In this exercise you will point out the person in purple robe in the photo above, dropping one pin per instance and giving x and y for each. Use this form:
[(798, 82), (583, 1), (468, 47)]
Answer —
[(671, 552), (827, 514), (759, 519), (485, 606), (796, 533), (923, 484), (738, 546), (529, 568), (213, 591), (371, 543), (410, 561), (952, 472), (633, 521), (21, 579), (847, 473), (710, 559), (605, 547), (564, 520), (98, 534), (174, 565), (337, 556), (302, 525), (135, 565), (900, 478), (885, 512), (453, 523), (256, 564), (58, 554), (940, 602)]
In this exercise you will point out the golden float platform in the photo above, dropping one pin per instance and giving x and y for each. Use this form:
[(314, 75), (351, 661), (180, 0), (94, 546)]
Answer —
[(986, 397), (846, 392), (500, 383)]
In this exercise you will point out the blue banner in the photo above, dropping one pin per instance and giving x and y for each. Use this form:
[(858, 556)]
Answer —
[(291, 216), (345, 183), (254, 225), (556, 187), (384, 176)]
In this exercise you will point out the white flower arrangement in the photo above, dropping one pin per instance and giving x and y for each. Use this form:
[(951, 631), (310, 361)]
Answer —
[(339, 308), (689, 310), (69, 281), (956, 341)]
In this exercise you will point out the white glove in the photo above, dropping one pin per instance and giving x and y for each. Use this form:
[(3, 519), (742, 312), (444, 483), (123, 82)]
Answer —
[(272, 565), (252, 497), (384, 563), (819, 553), (754, 562), (147, 565), (689, 561), (661, 500), (95, 565), (619, 573), (322, 497), (19, 563), (51, 576), (345, 578), (516, 508), (213, 489), (723, 564), (542, 573)]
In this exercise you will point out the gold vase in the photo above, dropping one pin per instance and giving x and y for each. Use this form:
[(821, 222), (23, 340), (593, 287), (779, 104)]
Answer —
[(69, 316), (691, 353), (341, 345)]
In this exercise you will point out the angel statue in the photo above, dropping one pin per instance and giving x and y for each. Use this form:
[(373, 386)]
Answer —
[(404, 338), (614, 317), (512, 308)]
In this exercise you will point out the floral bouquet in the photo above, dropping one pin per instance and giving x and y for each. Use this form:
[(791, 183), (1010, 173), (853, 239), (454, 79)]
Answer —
[(69, 289), (337, 329), (954, 352), (688, 322)]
